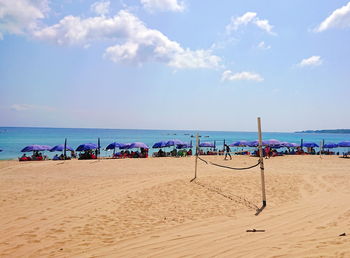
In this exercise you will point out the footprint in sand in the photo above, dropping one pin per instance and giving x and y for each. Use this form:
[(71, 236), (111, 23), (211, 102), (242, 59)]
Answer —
[(35, 241), (20, 218)]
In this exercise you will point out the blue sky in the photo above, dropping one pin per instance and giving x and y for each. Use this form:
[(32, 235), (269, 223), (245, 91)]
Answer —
[(171, 64)]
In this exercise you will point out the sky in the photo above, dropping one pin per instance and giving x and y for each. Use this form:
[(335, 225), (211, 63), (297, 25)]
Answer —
[(175, 64)]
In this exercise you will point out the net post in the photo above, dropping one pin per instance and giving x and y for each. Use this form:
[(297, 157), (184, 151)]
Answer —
[(65, 149), (261, 164), (196, 159)]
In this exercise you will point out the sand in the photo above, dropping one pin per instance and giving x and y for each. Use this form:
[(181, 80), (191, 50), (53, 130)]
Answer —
[(149, 208)]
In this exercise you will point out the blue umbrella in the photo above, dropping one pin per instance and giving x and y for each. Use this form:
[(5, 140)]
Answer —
[(138, 145), (272, 143), (289, 144), (253, 144), (206, 144), (239, 143), (125, 146), (36, 148), (184, 146), (173, 143), (310, 144), (160, 144), (330, 145), (60, 147), (0, 150), (86, 146), (344, 144), (114, 145)]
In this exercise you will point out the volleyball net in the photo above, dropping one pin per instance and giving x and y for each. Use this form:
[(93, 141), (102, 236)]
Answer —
[(259, 162)]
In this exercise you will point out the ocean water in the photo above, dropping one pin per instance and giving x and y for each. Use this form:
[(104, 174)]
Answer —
[(13, 139)]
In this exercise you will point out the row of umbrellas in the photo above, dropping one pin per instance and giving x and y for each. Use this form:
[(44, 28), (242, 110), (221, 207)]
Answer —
[(272, 143), (113, 145), (278, 144), (162, 144), (179, 144), (82, 147)]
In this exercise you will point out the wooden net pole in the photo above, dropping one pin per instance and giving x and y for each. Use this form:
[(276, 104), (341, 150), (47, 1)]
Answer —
[(196, 160), (261, 164)]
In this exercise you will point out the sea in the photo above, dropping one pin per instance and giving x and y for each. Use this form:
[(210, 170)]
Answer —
[(14, 139)]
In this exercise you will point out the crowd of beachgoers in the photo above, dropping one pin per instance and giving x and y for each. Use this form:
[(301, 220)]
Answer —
[(271, 148)]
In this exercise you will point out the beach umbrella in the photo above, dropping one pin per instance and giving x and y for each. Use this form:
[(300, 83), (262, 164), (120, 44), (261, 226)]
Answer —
[(344, 144), (86, 146), (272, 143), (60, 147), (330, 145), (138, 145), (206, 144), (310, 144), (125, 146), (173, 143), (35, 147), (239, 143), (114, 145), (289, 144), (46, 147), (253, 144), (160, 144), (184, 145)]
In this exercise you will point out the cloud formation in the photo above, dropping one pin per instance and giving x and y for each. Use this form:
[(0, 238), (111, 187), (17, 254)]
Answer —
[(263, 45), (137, 44), (21, 16), (249, 18), (311, 61), (163, 5), (340, 18), (247, 76), (100, 8)]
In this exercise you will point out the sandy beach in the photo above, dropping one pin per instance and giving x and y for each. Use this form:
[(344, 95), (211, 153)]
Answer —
[(149, 208)]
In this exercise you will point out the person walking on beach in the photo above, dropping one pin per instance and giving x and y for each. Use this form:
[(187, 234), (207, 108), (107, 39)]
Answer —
[(228, 150)]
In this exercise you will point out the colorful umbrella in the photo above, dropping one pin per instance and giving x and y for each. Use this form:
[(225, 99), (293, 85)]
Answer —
[(87, 146)]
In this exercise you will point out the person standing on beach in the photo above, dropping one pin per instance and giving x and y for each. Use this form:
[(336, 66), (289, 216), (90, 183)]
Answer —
[(267, 152), (228, 150)]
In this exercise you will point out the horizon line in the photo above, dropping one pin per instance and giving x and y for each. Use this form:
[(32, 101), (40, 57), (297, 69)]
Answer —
[(201, 130)]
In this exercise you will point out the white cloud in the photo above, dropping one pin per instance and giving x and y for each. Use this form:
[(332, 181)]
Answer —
[(262, 45), (100, 8), (25, 107), (195, 59), (264, 25), (249, 18), (239, 21), (248, 76), (163, 5), (311, 61), (21, 16), (340, 18), (137, 44)]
